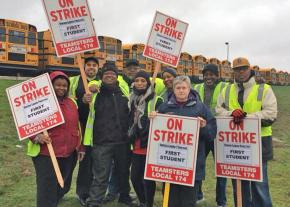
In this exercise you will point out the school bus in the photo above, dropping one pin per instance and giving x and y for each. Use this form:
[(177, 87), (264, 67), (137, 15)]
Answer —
[(226, 72), (269, 75), (184, 66), (199, 62), (110, 51), (18, 46), (48, 59), (135, 51)]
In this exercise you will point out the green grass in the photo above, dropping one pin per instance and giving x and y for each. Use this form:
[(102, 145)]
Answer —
[(17, 176)]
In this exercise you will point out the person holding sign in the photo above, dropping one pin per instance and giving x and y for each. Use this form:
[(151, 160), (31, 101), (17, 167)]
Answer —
[(141, 101), (65, 139), (246, 98), (77, 90), (185, 102), (168, 75), (209, 92), (106, 131)]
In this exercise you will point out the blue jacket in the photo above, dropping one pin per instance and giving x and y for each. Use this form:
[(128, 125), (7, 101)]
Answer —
[(194, 108)]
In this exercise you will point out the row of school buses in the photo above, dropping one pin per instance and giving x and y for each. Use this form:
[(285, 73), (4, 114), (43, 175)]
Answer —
[(25, 51)]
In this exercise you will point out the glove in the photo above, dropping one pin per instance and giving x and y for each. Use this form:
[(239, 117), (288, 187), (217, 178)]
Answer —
[(238, 115)]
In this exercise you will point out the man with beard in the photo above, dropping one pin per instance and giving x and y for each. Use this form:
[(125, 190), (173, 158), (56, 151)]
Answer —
[(76, 91), (246, 98), (209, 92)]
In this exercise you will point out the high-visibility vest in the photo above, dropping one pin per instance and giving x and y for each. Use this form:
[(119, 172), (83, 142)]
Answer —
[(219, 87), (74, 82), (88, 137), (34, 149), (252, 104), (125, 88)]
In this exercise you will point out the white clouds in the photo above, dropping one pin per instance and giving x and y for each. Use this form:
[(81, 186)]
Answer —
[(257, 29)]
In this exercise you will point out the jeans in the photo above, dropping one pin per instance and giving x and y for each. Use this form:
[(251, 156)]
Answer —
[(103, 155), (145, 189), (221, 183), (113, 188), (256, 194)]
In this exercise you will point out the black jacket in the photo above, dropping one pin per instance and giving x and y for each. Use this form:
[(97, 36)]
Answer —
[(111, 116), (142, 133)]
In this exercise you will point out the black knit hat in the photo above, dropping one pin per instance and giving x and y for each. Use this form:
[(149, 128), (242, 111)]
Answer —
[(169, 70), (212, 68), (109, 66), (91, 59), (144, 75), (132, 62)]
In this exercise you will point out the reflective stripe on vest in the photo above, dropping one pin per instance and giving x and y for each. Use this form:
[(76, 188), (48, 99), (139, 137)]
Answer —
[(252, 104)]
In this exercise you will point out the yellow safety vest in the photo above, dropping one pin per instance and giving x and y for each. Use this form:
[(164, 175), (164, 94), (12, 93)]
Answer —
[(219, 87), (74, 81), (252, 104)]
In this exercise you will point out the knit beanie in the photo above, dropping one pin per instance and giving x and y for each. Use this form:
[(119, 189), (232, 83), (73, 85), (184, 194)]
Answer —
[(170, 71), (144, 75), (212, 68)]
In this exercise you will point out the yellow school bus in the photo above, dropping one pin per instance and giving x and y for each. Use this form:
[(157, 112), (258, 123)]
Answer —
[(48, 59), (135, 51), (199, 61), (184, 66), (110, 51), (226, 72), (18, 46)]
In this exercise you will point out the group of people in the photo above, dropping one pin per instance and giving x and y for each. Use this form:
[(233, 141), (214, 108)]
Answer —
[(107, 131)]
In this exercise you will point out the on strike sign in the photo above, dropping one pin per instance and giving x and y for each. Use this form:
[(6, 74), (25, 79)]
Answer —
[(34, 106), (172, 149), (238, 149), (165, 39), (71, 25)]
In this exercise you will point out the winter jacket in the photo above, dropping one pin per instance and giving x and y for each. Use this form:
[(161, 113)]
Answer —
[(194, 108), (66, 138), (267, 113), (111, 116), (142, 133)]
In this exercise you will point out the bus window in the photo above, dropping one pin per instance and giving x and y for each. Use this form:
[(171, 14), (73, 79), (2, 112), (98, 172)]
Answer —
[(111, 49), (31, 38), (134, 55), (16, 37), (101, 49), (119, 49), (126, 54), (140, 57), (2, 35)]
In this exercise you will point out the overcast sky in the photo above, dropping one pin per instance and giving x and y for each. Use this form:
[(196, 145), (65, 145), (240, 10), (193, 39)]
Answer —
[(257, 29)]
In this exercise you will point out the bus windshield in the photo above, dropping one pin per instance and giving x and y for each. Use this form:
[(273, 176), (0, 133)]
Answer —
[(16, 37)]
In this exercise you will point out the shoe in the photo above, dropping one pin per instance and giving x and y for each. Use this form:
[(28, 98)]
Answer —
[(82, 200), (200, 200), (110, 197), (128, 202)]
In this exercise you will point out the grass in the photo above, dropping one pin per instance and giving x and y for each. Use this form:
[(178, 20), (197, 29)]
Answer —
[(17, 176)]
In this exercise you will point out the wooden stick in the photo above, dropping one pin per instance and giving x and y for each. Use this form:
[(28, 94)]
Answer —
[(54, 163), (239, 193), (156, 70), (166, 195), (83, 74)]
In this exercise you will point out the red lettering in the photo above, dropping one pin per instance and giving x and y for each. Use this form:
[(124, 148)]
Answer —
[(17, 102), (156, 135), (221, 137), (189, 139)]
